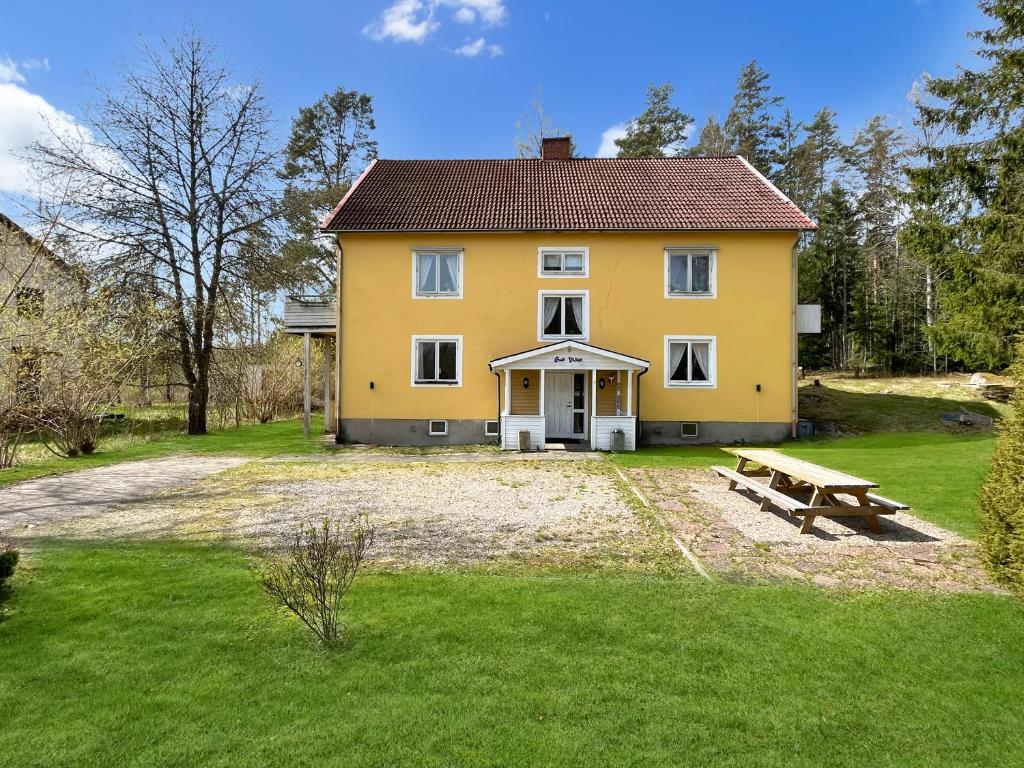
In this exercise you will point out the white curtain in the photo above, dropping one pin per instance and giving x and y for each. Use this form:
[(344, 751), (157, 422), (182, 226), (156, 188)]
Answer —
[(550, 310), (701, 361), (677, 278), (576, 307), (426, 266), (449, 273), (676, 352)]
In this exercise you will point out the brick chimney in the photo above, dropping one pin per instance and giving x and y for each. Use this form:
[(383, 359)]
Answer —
[(556, 148)]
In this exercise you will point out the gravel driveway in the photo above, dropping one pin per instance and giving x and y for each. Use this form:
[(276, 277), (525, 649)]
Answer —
[(57, 499)]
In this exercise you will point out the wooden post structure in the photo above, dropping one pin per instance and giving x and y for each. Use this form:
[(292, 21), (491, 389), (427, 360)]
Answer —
[(327, 384), (305, 385)]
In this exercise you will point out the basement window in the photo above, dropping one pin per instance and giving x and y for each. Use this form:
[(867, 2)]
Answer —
[(437, 427), (491, 428), (689, 429)]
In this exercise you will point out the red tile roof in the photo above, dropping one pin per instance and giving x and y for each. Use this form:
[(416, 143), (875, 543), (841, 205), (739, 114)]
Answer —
[(676, 193)]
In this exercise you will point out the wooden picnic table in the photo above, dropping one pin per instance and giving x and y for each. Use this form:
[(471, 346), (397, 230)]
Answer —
[(789, 479)]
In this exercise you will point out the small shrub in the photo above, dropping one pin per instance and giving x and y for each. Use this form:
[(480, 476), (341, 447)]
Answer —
[(1002, 495), (318, 570), (8, 559)]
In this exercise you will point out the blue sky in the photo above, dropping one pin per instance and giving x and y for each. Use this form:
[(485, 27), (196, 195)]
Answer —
[(450, 77)]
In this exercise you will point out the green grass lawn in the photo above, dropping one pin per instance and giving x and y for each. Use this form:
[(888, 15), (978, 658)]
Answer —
[(169, 655), (937, 474), (276, 438)]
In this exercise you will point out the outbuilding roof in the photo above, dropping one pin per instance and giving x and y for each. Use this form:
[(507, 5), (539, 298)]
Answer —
[(613, 194)]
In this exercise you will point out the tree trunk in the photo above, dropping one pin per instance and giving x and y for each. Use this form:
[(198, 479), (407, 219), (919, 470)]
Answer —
[(199, 397)]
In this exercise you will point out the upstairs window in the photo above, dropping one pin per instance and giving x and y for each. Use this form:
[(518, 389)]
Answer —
[(436, 361), (689, 361), (437, 274), (29, 303), (689, 273), (563, 315), (564, 262)]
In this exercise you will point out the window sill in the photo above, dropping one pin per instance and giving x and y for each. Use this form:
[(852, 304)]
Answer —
[(437, 383), (564, 274), (583, 338), (671, 295), (690, 385), (437, 295)]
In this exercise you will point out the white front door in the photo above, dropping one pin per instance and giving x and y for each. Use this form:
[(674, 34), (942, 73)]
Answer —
[(565, 405)]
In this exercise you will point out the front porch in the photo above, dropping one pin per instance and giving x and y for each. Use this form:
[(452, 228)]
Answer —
[(568, 392)]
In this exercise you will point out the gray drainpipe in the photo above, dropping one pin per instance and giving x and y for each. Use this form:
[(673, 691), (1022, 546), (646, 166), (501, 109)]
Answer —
[(638, 427)]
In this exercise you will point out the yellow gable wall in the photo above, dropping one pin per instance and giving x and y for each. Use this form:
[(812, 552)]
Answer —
[(498, 315)]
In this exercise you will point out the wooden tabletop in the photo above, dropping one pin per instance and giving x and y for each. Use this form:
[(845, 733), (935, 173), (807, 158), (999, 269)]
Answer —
[(818, 476)]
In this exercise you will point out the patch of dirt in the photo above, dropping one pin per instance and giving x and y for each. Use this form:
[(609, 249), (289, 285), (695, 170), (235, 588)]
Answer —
[(730, 533)]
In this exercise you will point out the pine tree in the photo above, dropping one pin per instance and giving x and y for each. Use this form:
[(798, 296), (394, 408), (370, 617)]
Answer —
[(983, 296), (751, 125), (712, 141), (660, 130)]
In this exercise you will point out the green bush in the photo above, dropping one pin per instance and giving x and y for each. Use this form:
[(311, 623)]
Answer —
[(1002, 495), (8, 559)]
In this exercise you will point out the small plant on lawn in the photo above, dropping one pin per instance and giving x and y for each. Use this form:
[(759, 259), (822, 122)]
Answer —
[(318, 570), (8, 559), (1002, 495)]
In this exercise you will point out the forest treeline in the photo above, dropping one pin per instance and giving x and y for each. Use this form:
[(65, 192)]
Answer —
[(918, 259)]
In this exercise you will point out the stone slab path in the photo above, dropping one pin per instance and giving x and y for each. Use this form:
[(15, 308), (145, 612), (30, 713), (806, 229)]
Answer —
[(92, 491)]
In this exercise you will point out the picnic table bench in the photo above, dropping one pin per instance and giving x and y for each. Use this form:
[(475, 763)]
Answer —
[(805, 489)]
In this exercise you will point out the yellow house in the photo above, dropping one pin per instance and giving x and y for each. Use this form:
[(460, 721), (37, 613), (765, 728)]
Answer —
[(647, 301)]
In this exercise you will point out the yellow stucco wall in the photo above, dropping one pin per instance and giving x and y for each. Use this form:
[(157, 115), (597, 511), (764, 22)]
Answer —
[(750, 318)]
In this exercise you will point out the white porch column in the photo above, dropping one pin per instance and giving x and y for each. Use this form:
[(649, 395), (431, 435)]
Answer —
[(508, 392), (593, 403), (541, 409), (305, 385), (629, 392)]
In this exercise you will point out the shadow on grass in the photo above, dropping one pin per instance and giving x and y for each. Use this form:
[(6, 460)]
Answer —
[(860, 412)]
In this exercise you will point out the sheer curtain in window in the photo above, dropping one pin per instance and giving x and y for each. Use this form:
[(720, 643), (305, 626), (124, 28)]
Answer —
[(676, 353), (678, 268), (449, 273), (701, 361), (426, 272), (575, 328), (551, 305)]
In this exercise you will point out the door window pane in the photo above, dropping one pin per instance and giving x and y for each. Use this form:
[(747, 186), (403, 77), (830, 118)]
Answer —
[(577, 423), (578, 390)]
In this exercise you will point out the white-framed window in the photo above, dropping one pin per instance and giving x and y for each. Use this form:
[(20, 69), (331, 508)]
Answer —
[(437, 273), (563, 262), (690, 273), (437, 361), (437, 427), (690, 361), (689, 430), (563, 315), (492, 428)]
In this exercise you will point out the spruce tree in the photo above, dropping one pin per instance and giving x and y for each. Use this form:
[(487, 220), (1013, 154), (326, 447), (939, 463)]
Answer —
[(751, 125), (661, 129), (984, 108)]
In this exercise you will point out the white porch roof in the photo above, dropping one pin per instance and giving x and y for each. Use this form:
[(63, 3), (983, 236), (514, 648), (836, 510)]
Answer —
[(570, 355)]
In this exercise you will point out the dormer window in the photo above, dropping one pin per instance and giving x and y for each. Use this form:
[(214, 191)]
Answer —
[(690, 273), (437, 274), (563, 262)]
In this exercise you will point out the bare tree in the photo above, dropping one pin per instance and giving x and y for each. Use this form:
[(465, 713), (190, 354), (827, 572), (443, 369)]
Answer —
[(532, 130), (172, 178)]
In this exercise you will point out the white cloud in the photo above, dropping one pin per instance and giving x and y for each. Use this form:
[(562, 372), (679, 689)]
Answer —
[(27, 118), (416, 20), (9, 71), (405, 21), (473, 48), (608, 147)]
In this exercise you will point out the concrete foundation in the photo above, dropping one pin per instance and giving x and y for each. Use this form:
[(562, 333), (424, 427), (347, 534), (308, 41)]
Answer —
[(414, 432), (722, 432)]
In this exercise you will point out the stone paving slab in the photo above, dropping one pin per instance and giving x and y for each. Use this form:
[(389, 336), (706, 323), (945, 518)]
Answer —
[(93, 491)]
